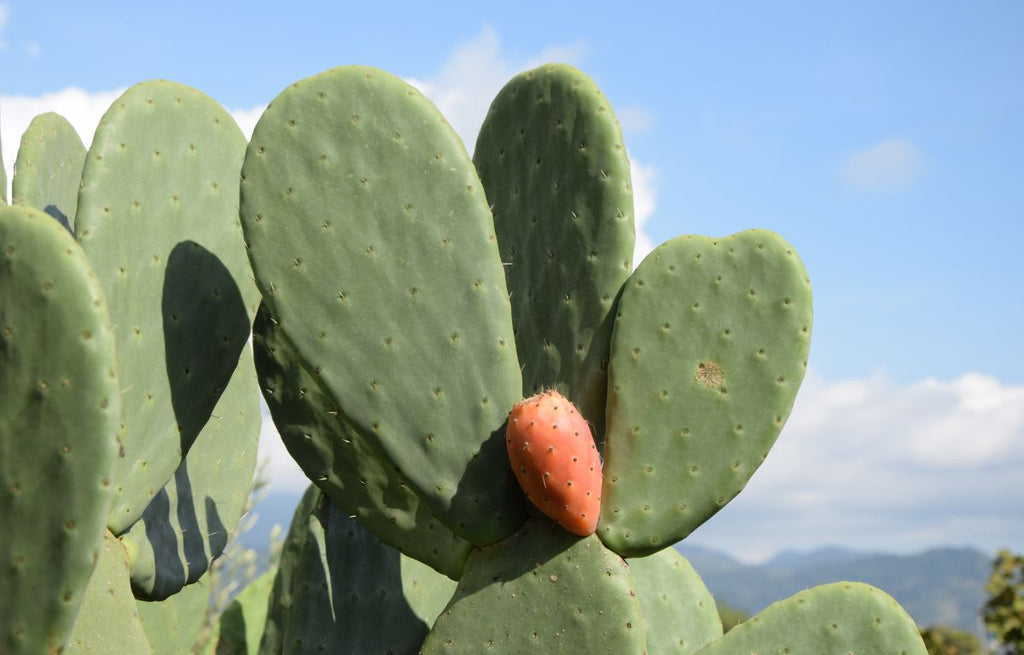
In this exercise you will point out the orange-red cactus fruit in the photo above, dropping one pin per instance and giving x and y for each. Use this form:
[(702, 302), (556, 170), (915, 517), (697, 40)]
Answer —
[(554, 457)]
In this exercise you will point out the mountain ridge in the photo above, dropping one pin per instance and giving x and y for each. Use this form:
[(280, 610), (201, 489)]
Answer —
[(941, 585)]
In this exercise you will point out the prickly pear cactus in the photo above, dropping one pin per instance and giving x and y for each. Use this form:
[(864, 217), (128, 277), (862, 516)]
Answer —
[(402, 322), (59, 418), (551, 158), (683, 442), (169, 255), (165, 431), (349, 593), (373, 246)]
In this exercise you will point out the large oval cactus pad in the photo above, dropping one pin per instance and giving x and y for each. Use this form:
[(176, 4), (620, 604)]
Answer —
[(338, 458), (374, 248), (844, 618), (48, 170), (542, 590), (550, 155), (188, 524), (59, 417), (680, 611), (709, 348), (158, 217)]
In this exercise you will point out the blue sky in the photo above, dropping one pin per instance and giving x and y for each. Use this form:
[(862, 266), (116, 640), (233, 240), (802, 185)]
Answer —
[(884, 140)]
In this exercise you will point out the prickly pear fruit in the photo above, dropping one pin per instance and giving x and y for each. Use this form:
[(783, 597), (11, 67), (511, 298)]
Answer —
[(553, 455)]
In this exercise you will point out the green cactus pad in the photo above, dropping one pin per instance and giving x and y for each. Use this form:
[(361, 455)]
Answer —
[(173, 625), (351, 594), (59, 416), (241, 625), (187, 525), (279, 605), (109, 621), (542, 590), (551, 158), (709, 348), (48, 170), (338, 458), (158, 217), (373, 245), (680, 611), (844, 618)]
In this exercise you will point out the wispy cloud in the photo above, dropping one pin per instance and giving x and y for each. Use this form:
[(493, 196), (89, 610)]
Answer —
[(645, 199), (282, 473), (873, 464), (889, 165), (477, 70)]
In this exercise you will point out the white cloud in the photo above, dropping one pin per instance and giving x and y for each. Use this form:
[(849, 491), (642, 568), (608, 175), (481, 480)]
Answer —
[(874, 464), (283, 475), (247, 118), (645, 194), (890, 165)]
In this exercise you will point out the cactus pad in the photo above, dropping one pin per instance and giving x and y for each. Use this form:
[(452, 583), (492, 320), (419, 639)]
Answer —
[(374, 248), (680, 611), (844, 618), (158, 217), (48, 170), (59, 417), (279, 605), (542, 590), (733, 316), (187, 525), (240, 626), (109, 621), (352, 594), (550, 155), (173, 625), (338, 458)]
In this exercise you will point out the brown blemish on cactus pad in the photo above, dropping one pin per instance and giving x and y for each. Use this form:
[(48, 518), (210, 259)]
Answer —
[(710, 374)]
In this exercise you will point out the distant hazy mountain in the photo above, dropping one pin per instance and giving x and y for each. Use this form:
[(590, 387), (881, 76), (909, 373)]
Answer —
[(943, 585)]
